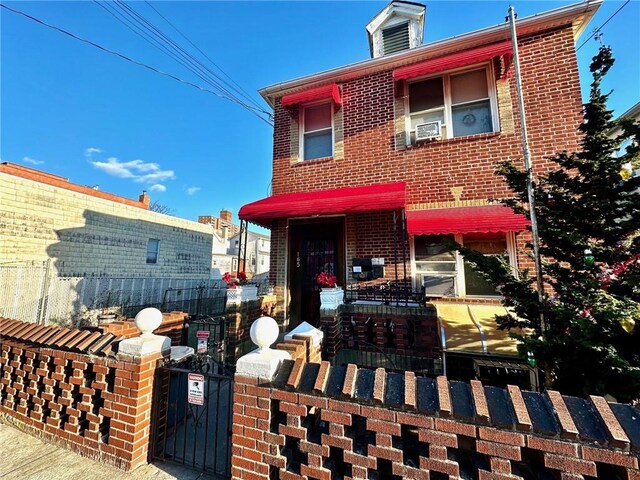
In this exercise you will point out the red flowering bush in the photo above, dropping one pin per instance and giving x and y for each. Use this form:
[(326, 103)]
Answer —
[(233, 282), (325, 279)]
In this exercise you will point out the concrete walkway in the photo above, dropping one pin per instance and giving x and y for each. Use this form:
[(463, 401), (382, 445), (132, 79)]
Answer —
[(29, 458)]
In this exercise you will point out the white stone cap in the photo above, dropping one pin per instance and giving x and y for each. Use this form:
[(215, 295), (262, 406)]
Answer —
[(261, 363), (306, 330), (145, 345)]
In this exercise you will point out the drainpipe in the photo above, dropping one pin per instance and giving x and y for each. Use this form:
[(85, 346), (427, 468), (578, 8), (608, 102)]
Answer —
[(527, 165)]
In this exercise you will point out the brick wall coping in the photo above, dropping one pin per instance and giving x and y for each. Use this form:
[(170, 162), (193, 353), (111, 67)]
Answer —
[(61, 182), (549, 414), (91, 342)]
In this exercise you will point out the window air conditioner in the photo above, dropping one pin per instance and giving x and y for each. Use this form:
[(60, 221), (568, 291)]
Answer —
[(439, 285), (426, 131)]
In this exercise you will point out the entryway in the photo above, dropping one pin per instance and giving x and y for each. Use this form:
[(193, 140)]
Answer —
[(315, 246)]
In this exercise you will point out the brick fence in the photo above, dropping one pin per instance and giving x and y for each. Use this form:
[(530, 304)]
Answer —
[(72, 388), (319, 421)]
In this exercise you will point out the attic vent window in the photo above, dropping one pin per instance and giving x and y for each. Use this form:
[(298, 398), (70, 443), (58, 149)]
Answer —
[(396, 38)]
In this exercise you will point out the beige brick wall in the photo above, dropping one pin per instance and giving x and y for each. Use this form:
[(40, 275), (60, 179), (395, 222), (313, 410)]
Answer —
[(89, 236)]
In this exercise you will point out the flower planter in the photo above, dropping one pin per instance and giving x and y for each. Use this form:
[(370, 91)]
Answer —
[(243, 293), (330, 298)]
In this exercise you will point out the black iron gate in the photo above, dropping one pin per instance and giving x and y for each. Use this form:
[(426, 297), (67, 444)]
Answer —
[(192, 418)]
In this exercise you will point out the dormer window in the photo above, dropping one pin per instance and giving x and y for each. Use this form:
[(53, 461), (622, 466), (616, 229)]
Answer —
[(398, 27), (396, 38)]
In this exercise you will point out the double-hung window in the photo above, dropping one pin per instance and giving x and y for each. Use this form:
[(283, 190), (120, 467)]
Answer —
[(153, 249), (463, 103), (317, 131), (444, 273)]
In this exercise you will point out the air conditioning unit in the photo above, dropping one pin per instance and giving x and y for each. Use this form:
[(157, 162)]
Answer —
[(439, 285), (429, 130)]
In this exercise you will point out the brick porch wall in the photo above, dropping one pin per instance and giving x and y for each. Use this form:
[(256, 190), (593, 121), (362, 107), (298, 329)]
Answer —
[(315, 421), (70, 387)]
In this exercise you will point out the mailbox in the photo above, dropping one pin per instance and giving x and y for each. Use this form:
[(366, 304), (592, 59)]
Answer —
[(367, 268)]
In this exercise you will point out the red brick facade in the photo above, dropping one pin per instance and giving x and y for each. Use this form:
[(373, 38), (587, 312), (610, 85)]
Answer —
[(370, 147), (320, 421)]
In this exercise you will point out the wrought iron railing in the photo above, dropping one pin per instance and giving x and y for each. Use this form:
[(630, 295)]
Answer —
[(387, 293)]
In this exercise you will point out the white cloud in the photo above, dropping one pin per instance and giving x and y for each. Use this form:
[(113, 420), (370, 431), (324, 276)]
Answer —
[(158, 188), (136, 170), (192, 190), (90, 151), (32, 161)]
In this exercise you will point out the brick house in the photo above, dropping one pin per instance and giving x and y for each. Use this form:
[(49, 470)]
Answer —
[(377, 162)]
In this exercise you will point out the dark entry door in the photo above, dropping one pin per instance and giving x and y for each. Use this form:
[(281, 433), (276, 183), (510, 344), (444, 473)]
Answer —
[(314, 247)]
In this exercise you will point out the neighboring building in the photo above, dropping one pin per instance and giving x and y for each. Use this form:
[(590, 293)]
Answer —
[(257, 252), (634, 114), (85, 235), (221, 259), (219, 224), (414, 133)]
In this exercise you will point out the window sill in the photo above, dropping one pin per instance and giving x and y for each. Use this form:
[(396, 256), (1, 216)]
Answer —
[(448, 141), (313, 161), (475, 300)]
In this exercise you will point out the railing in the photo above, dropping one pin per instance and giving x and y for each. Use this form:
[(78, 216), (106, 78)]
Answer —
[(388, 293)]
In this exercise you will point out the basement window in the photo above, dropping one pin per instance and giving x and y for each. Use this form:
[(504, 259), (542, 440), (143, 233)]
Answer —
[(153, 248)]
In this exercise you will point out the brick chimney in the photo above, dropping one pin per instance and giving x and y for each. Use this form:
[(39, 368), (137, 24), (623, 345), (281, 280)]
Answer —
[(225, 215), (144, 199)]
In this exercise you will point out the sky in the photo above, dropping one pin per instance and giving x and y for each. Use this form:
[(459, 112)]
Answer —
[(73, 110)]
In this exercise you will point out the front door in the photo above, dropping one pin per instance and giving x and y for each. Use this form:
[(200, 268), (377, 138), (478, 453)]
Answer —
[(314, 247)]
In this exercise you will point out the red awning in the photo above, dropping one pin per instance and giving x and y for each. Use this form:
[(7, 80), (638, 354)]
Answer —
[(454, 60), (327, 91), (371, 198), (484, 219)]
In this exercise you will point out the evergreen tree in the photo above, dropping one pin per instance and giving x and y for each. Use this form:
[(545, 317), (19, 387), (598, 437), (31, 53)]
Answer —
[(589, 226)]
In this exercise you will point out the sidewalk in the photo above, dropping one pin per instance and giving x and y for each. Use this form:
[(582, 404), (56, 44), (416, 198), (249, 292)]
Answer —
[(28, 458)]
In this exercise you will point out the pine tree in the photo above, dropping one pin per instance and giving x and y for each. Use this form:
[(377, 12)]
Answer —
[(589, 226)]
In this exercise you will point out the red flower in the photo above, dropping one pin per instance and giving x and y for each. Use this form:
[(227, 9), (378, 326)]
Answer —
[(325, 279)]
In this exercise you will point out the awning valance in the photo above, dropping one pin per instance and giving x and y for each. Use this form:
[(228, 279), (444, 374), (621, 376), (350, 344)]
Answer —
[(455, 60), (319, 93), (481, 219), (370, 198)]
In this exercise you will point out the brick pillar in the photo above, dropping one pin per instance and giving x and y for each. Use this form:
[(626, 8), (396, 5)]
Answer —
[(330, 325)]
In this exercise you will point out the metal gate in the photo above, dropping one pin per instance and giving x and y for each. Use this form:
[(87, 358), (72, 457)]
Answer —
[(193, 430)]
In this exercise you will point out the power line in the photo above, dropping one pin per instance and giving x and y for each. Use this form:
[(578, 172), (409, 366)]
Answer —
[(597, 30), (128, 59), (192, 63), (240, 90)]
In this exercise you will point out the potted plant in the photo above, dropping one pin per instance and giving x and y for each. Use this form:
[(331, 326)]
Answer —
[(238, 289), (330, 294)]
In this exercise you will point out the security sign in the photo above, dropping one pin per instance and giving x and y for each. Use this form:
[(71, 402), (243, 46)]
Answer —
[(203, 341), (195, 389)]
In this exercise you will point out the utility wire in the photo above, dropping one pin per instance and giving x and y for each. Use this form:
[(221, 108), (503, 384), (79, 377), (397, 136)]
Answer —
[(597, 30), (194, 64), (239, 89), (128, 59)]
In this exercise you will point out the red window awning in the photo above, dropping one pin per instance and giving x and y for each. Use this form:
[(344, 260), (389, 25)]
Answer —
[(319, 93), (370, 198), (483, 219), (454, 60)]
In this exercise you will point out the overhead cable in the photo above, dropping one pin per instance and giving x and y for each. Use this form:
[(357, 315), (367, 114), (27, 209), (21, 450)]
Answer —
[(126, 58)]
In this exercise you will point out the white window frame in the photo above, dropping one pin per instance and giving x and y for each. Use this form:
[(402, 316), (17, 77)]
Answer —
[(446, 85), (458, 274), (301, 130), (157, 251)]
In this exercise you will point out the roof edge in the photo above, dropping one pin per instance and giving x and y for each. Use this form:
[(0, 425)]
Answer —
[(578, 15)]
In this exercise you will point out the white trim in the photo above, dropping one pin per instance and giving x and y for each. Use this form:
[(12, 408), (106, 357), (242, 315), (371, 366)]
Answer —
[(445, 75), (301, 130), (578, 14), (458, 274)]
